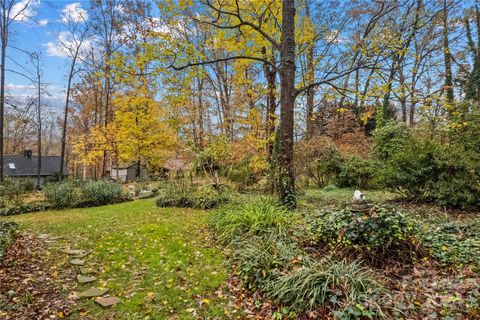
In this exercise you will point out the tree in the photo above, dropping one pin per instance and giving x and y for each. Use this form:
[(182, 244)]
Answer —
[(11, 10), (287, 104), (72, 42), (448, 60)]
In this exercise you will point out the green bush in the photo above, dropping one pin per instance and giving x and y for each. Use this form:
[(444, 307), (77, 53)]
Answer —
[(378, 235), (7, 233), (251, 218), (26, 208), (431, 172), (390, 139), (101, 192), (208, 197), (242, 174), (26, 185), (327, 167), (338, 284), (62, 194), (204, 197), (13, 192), (357, 172)]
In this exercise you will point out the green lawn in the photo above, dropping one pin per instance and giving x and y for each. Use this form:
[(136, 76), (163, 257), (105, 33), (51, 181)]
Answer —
[(158, 261)]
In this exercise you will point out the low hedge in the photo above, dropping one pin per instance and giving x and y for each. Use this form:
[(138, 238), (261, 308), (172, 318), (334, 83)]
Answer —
[(205, 197), (7, 234), (26, 208), (71, 194)]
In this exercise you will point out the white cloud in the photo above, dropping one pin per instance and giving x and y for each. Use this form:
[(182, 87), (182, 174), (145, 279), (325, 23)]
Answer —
[(13, 86), (73, 12), (43, 22), (21, 93), (65, 44), (24, 10)]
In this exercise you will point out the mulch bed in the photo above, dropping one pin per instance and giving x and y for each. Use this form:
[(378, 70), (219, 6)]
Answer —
[(32, 286)]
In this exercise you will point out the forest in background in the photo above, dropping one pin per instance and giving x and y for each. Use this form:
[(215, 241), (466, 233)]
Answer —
[(261, 89)]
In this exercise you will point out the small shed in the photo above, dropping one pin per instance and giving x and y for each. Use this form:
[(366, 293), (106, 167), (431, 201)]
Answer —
[(128, 173), (25, 166)]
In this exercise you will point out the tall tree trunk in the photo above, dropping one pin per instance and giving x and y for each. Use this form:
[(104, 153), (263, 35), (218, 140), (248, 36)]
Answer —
[(2, 86), (310, 78), (107, 102), (201, 129), (448, 61), (270, 75), (403, 96), (65, 115), (39, 120), (287, 105)]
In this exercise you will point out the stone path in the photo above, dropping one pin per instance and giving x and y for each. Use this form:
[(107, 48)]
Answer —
[(84, 277)]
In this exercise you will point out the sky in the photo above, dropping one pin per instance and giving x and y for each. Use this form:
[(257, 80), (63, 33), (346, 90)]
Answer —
[(37, 31)]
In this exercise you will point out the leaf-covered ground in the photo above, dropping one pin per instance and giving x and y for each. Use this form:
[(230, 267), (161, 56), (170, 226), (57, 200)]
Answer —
[(159, 262), (32, 286)]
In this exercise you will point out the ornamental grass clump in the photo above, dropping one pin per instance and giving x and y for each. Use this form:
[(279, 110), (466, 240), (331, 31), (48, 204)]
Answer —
[(251, 218), (261, 260), (343, 286)]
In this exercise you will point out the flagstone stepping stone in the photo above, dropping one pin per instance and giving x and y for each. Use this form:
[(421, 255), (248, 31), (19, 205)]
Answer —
[(84, 270), (85, 279), (107, 301), (74, 252), (77, 262), (93, 292), (79, 256)]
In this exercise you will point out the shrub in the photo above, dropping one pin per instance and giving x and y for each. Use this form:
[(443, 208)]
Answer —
[(61, 194), (338, 284), (356, 172), (208, 197), (26, 208), (327, 167), (55, 177), (26, 185), (13, 192), (428, 171), (242, 174), (261, 259), (101, 192), (205, 197), (377, 235), (7, 233), (261, 217), (390, 139)]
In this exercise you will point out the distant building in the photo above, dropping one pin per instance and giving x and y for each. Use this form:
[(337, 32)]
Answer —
[(128, 173), (25, 166)]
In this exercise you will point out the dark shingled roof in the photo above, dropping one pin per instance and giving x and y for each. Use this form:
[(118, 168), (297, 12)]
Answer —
[(28, 166)]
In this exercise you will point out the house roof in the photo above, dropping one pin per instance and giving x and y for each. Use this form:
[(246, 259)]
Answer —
[(120, 167), (176, 164), (19, 165)]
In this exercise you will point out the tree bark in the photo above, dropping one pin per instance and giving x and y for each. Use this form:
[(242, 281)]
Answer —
[(287, 105), (2, 85), (39, 119), (448, 61), (270, 75), (65, 115), (310, 78)]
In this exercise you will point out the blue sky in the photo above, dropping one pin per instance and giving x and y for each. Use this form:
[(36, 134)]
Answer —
[(38, 34)]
